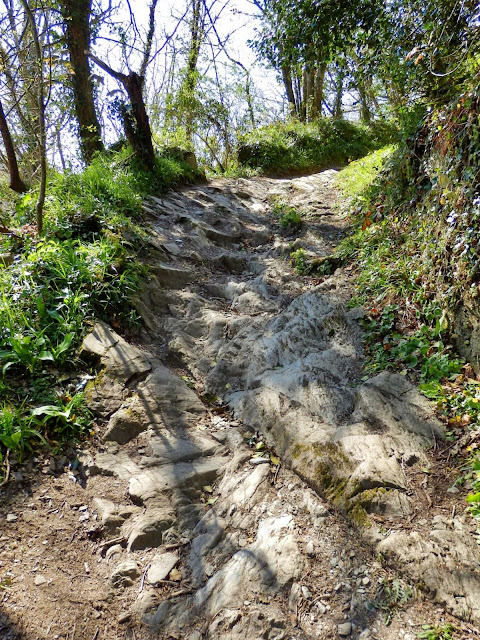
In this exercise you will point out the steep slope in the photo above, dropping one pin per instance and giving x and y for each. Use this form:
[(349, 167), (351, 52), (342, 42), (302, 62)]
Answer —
[(248, 482)]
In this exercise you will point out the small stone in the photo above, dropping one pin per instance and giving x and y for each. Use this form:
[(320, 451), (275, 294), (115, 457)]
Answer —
[(161, 566), (40, 580), (423, 522), (310, 548), (306, 593), (11, 517), (334, 561), (453, 489), (117, 548), (124, 574), (366, 581), (344, 629), (124, 617), (321, 608)]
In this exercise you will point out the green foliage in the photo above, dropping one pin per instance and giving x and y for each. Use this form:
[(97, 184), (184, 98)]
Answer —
[(473, 498), (293, 147), (298, 31), (433, 632), (417, 258), (17, 430), (422, 351), (114, 183), (288, 216), (299, 260), (67, 419), (392, 595), (52, 291), (357, 176), (84, 268)]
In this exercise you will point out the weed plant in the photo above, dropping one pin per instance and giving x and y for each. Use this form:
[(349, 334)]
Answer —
[(432, 632), (299, 260), (288, 217)]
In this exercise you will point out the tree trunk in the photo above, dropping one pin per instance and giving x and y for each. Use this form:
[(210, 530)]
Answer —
[(365, 113), (16, 183), (137, 124), (338, 110), (248, 95), (288, 84), (143, 145), (40, 85), (316, 108), (197, 28), (76, 15), (297, 87)]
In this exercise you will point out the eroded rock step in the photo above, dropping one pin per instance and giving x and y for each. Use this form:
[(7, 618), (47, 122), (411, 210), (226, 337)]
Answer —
[(267, 558)]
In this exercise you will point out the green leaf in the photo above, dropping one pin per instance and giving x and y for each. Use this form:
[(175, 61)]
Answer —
[(411, 361), (45, 355), (7, 366), (431, 389), (274, 460), (11, 441), (55, 315), (473, 497), (64, 345), (50, 410)]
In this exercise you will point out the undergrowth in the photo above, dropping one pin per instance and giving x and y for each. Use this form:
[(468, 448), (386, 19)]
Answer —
[(289, 147), (415, 250), (288, 217), (83, 268), (433, 632)]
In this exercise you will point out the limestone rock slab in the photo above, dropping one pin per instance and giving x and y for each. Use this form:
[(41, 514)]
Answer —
[(146, 530), (149, 483), (161, 566)]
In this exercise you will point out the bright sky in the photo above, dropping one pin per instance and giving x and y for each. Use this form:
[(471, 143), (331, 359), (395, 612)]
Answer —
[(236, 19)]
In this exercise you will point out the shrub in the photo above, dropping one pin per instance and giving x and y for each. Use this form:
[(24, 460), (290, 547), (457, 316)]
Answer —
[(293, 147)]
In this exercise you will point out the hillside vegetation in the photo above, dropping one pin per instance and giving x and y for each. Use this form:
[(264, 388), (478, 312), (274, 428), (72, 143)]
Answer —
[(294, 147), (87, 266), (416, 255)]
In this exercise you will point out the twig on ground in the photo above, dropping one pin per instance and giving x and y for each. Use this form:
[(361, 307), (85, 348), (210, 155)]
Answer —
[(110, 543), (177, 545), (7, 470), (142, 581), (276, 473)]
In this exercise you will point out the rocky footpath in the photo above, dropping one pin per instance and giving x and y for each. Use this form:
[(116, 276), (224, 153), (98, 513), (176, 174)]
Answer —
[(265, 483)]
